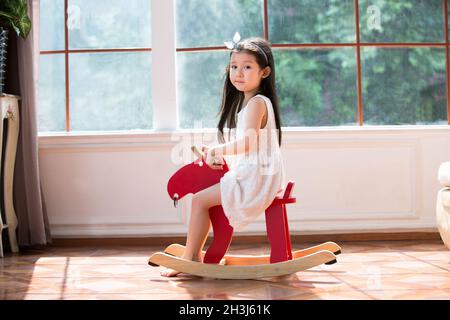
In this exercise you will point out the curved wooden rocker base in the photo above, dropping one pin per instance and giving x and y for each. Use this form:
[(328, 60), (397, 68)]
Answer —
[(218, 271), (177, 250)]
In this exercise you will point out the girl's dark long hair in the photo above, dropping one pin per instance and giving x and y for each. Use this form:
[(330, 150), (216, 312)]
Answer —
[(233, 98)]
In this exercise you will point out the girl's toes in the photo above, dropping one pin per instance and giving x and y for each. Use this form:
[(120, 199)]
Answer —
[(169, 273)]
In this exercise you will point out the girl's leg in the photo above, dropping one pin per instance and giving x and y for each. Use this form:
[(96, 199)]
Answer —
[(199, 224)]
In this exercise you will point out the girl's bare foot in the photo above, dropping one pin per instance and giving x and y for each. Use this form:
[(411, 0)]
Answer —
[(169, 272), (173, 273)]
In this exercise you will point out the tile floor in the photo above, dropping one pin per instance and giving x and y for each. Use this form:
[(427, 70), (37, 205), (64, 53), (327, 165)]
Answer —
[(385, 270)]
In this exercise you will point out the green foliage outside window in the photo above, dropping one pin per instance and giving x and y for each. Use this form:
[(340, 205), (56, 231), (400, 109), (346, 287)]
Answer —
[(317, 86)]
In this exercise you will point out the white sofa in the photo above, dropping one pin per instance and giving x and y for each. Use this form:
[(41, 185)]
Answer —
[(443, 203)]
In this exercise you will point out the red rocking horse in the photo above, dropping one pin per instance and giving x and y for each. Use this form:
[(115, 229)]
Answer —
[(197, 176)]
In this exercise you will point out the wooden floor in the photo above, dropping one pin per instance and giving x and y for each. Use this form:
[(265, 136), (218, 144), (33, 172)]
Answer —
[(365, 270)]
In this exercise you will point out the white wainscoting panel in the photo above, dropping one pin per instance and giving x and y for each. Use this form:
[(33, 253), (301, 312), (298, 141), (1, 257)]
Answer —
[(347, 180)]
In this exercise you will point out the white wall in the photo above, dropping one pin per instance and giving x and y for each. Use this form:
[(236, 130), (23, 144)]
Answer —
[(347, 180)]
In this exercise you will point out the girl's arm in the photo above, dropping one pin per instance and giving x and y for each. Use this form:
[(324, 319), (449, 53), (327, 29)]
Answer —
[(255, 112)]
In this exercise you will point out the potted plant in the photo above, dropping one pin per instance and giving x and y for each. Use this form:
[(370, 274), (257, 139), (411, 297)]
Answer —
[(13, 15)]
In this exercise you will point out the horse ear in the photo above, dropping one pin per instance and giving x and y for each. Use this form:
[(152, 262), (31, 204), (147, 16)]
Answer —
[(198, 153)]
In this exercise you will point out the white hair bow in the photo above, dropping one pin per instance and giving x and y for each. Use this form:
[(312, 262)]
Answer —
[(232, 45)]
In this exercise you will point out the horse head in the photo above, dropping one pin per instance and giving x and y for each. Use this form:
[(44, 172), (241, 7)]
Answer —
[(192, 178)]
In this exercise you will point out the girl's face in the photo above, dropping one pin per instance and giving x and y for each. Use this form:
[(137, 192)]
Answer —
[(245, 73)]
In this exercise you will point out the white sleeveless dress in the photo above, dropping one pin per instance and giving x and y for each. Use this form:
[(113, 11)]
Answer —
[(254, 179)]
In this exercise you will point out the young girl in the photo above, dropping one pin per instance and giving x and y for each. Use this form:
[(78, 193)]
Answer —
[(256, 173)]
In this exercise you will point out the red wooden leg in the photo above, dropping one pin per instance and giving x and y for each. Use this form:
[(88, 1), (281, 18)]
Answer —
[(278, 234), (287, 234), (222, 233)]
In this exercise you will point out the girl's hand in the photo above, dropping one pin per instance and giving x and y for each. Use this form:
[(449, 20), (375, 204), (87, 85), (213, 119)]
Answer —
[(211, 160), (205, 150)]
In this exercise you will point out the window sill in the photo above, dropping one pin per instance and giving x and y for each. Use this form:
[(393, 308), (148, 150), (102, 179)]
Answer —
[(291, 135), (287, 130)]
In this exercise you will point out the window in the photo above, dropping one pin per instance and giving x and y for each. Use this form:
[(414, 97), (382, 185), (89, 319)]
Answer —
[(339, 62), (316, 67), (202, 27), (404, 85), (403, 48), (345, 62), (95, 71)]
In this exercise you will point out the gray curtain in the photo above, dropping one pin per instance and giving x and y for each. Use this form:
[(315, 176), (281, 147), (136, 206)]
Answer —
[(33, 227)]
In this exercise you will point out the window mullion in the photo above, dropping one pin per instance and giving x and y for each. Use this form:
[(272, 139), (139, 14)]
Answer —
[(165, 115)]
